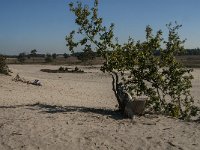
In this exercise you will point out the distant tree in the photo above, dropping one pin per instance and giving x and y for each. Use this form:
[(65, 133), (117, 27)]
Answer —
[(34, 52), (3, 67), (28, 56), (54, 55), (87, 54), (48, 58), (195, 51), (79, 55), (66, 55), (21, 57)]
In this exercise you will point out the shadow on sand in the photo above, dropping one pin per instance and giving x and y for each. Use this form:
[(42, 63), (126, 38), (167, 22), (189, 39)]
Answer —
[(52, 109)]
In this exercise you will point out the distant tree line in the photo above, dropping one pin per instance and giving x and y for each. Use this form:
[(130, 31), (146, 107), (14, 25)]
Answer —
[(86, 55), (195, 51)]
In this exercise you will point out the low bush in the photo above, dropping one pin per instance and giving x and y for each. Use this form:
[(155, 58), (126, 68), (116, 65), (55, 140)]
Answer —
[(3, 67), (63, 70)]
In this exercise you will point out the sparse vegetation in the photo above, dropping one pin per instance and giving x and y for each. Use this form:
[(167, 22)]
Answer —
[(164, 80), (63, 70)]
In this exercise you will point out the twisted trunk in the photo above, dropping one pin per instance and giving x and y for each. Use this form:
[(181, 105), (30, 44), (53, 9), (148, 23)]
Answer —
[(127, 105)]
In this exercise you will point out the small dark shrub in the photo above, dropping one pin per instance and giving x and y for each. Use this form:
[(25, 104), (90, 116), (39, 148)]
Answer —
[(66, 69), (3, 67), (61, 69), (76, 69)]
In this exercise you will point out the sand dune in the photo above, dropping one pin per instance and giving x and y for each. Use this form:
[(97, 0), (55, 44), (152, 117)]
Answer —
[(77, 111)]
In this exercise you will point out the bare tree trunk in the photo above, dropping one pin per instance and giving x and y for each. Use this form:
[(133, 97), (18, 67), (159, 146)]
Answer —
[(127, 105), (117, 90)]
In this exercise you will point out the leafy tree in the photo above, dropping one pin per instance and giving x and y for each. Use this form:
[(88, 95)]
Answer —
[(152, 70), (3, 67), (21, 57)]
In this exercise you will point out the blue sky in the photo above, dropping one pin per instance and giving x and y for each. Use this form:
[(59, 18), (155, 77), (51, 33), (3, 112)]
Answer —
[(43, 24)]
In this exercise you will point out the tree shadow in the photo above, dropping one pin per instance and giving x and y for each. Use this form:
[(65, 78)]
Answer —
[(53, 109)]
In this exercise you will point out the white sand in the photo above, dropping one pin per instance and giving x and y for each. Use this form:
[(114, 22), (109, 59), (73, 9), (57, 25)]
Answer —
[(77, 111)]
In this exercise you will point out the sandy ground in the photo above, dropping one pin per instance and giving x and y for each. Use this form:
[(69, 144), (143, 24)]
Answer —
[(77, 111)]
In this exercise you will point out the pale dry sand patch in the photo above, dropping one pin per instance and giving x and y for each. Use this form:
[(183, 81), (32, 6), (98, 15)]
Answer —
[(77, 111), (62, 89)]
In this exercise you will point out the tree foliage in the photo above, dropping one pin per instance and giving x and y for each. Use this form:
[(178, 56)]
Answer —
[(161, 78)]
